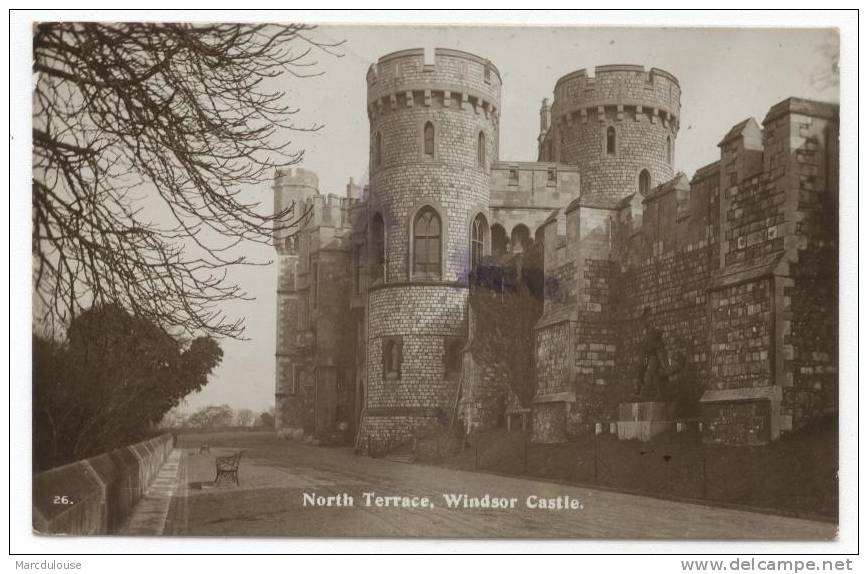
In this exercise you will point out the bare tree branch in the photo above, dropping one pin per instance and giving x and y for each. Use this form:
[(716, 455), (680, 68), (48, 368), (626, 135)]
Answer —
[(135, 123)]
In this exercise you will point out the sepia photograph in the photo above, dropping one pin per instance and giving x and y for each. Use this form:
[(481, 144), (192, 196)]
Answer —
[(328, 279)]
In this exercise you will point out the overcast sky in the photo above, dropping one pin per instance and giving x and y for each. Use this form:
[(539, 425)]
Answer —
[(726, 75)]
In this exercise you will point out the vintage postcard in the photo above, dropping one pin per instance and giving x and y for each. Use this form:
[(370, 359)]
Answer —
[(432, 281)]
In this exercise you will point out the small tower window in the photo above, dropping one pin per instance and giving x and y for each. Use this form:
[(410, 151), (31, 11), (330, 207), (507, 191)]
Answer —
[(669, 150), (392, 358), (610, 141), (480, 150), (452, 357), (426, 242), (644, 183), (477, 240), (429, 139)]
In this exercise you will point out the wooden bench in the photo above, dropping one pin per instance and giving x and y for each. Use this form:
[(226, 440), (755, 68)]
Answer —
[(228, 466)]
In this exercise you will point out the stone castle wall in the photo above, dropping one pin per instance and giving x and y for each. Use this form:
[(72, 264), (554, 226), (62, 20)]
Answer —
[(726, 266)]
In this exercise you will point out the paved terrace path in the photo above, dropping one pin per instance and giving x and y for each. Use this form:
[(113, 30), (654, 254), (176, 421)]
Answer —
[(275, 473)]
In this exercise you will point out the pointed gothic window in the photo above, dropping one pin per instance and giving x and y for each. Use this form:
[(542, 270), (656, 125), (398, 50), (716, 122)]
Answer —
[(426, 242)]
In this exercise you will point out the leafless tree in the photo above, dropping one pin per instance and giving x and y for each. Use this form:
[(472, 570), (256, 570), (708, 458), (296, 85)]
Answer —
[(145, 138)]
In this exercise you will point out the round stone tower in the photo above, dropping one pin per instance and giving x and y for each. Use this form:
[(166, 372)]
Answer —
[(618, 126), (434, 136)]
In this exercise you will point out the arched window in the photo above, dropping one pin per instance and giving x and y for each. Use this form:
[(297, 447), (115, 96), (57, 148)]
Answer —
[(644, 183), (477, 240), (480, 150), (378, 248), (668, 150), (610, 141), (429, 139), (426, 242), (378, 149)]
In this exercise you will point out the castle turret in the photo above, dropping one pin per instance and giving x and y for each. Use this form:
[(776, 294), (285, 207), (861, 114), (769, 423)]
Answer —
[(434, 137), (292, 190), (618, 126)]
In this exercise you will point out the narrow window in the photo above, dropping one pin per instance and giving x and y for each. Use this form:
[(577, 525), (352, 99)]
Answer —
[(644, 183), (378, 245), (610, 141), (426, 242), (513, 175), (480, 150), (477, 240), (429, 139), (553, 175), (392, 359), (452, 358), (668, 150)]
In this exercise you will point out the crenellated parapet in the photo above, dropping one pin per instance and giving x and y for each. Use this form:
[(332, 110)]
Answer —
[(292, 188), (454, 79), (620, 91)]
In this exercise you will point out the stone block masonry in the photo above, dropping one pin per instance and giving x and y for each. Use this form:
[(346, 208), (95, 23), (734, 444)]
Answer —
[(736, 269)]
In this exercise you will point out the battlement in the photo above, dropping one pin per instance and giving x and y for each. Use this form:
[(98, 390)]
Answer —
[(295, 176), (631, 90), (329, 210), (458, 79)]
